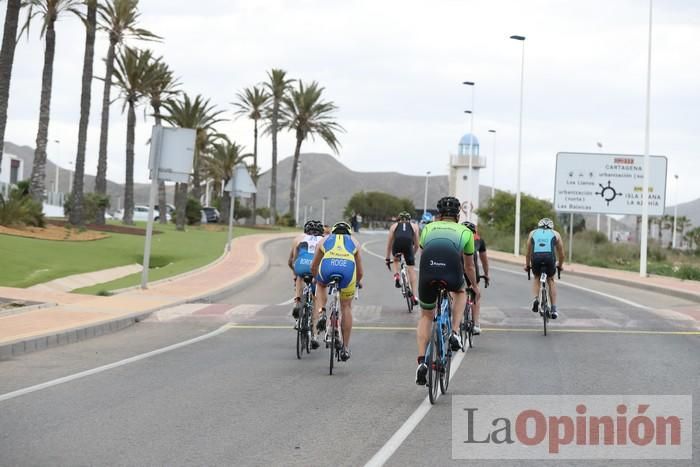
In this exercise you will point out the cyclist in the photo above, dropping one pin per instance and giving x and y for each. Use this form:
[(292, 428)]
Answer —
[(480, 248), (338, 253), (300, 257), (545, 254), (446, 257), (403, 240)]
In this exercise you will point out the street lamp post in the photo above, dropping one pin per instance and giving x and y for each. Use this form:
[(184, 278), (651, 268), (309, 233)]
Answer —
[(493, 163), (425, 197), (298, 190), (597, 224), (645, 189), (323, 210), (516, 243), (470, 187), (675, 212)]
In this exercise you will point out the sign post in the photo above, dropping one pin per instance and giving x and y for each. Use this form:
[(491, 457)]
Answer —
[(240, 185), (172, 151)]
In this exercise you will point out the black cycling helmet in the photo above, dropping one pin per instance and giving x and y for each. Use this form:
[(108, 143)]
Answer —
[(449, 206), (404, 216), (317, 227), (470, 225), (545, 223), (341, 227), (309, 228)]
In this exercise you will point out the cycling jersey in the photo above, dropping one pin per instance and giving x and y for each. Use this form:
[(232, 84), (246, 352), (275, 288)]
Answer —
[(403, 242), (543, 251), (443, 245), (305, 254), (338, 259)]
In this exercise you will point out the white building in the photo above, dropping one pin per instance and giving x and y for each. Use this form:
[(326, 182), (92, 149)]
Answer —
[(11, 172), (460, 187)]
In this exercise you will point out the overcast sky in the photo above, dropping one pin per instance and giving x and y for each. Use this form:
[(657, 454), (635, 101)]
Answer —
[(395, 69)]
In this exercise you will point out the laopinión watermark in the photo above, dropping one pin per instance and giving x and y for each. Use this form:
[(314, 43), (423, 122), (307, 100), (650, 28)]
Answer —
[(572, 427)]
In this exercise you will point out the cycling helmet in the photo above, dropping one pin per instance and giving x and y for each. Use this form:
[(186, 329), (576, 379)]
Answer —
[(449, 206), (309, 228), (404, 216), (317, 227), (341, 227), (545, 223), (470, 225)]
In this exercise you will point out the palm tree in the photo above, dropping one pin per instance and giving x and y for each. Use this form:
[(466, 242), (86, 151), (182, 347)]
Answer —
[(48, 11), (7, 58), (118, 18), (76, 212), (218, 165), (131, 75), (307, 114), (251, 103), (200, 115), (162, 84), (278, 85), (682, 223)]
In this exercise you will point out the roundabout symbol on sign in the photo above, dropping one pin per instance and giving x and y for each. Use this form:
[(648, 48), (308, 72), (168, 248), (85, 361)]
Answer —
[(608, 193)]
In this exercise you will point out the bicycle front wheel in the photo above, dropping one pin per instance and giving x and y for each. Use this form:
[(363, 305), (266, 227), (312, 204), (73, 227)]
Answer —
[(433, 362)]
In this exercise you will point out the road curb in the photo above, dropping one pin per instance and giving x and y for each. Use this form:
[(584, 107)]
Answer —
[(76, 334), (616, 280)]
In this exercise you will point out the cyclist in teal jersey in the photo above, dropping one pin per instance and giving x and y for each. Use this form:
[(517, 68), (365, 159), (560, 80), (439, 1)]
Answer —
[(545, 254)]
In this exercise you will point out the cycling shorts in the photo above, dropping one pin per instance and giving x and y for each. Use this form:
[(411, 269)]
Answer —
[(404, 246), (440, 265), (302, 265), (345, 268), (544, 263)]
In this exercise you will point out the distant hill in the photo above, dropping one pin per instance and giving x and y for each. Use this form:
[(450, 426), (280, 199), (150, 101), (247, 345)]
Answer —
[(325, 175)]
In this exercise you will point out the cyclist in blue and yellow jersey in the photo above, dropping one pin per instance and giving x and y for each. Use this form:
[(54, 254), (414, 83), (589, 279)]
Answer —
[(403, 240), (301, 256), (545, 254), (337, 254), (448, 247)]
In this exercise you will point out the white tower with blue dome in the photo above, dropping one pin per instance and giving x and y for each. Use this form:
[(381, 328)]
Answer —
[(463, 165)]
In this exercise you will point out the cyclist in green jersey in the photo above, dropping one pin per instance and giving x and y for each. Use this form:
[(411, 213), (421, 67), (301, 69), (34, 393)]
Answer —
[(446, 257)]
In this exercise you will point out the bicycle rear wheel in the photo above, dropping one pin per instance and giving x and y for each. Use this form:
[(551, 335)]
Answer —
[(470, 327), (433, 362), (544, 306), (463, 328), (445, 372), (300, 342)]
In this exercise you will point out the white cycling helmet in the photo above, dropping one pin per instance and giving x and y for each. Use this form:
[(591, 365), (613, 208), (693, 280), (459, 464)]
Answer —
[(545, 223)]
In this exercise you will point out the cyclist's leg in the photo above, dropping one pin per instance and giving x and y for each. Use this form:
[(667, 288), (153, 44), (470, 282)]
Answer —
[(410, 258), (346, 320), (319, 303), (459, 302)]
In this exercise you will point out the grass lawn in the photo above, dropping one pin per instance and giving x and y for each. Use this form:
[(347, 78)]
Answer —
[(27, 262)]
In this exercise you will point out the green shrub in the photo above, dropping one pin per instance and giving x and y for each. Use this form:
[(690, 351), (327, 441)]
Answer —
[(688, 272), (263, 212), (286, 220), (193, 211), (20, 209), (92, 203)]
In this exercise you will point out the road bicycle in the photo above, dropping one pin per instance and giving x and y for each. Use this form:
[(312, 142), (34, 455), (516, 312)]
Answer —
[(304, 323), (466, 325), (406, 290), (332, 339), (545, 308), (438, 355)]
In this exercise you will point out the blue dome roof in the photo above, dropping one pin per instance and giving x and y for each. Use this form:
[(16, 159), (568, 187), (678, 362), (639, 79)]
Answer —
[(467, 138)]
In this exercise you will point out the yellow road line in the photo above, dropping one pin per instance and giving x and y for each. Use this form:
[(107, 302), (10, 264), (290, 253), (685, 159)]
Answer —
[(537, 330)]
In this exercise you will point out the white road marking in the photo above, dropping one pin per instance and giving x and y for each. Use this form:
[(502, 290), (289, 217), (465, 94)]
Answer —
[(585, 289), (110, 366), (288, 302), (397, 439)]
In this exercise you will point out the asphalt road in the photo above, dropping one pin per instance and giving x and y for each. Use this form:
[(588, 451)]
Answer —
[(239, 396)]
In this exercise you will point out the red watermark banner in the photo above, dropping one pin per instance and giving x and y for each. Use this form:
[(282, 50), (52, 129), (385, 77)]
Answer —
[(572, 427)]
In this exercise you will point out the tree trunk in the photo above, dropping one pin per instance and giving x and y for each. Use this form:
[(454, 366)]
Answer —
[(196, 190), (293, 185), (225, 206), (101, 177), (180, 206), (7, 58), (273, 173), (38, 180), (129, 183), (254, 198), (76, 213)]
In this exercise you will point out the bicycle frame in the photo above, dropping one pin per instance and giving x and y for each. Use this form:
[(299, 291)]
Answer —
[(333, 328), (438, 352), (406, 290)]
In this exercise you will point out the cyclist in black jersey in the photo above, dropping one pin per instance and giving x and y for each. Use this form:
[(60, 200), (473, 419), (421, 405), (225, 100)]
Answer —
[(480, 256), (403, 240)]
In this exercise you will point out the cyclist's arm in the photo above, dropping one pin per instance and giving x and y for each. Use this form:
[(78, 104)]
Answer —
[(483, 257), (318, 256), (468, 262), (560, 249), (292, 255), (358, 267), (390, 240), (416, 238), (528, 253)]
